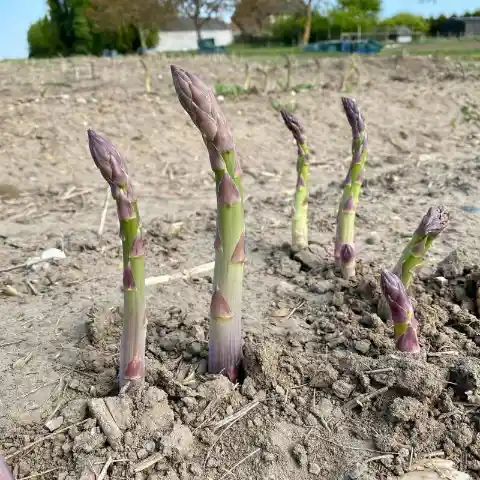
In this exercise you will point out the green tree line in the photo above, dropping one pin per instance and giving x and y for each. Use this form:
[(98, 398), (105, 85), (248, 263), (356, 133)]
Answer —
[(323, 24), (88, 27), (85, 27)]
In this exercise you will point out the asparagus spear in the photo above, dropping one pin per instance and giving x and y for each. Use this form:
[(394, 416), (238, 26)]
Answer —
[(5, 472), (432, 225), (404, 322), (114, 170), (225, 340), (300, 216), (344, 241)]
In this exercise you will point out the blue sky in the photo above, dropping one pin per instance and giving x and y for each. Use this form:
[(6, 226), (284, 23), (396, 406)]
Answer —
[(17, 15)]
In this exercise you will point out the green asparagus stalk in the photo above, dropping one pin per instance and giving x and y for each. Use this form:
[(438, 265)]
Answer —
[(225, 339), (404, 322), (300, 215), (5, 472), (114, 170), (344, 240), (432, 225)]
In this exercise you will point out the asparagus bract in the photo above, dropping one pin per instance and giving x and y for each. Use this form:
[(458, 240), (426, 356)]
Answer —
[(345, 235), (300, 216), (432, 225), (225, 339), (114, 170), (404, 322), (5, 472)]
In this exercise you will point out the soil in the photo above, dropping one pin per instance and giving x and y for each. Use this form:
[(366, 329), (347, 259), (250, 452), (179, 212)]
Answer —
[(325, 395)]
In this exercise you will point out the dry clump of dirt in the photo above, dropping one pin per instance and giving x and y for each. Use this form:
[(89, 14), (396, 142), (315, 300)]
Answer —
[(331, 400)]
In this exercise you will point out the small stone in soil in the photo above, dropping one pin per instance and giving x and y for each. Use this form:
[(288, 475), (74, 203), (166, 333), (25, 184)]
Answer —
[(342, 389), (150, 446), (248, 388), (314, 468), (362, 346), (54, 424)]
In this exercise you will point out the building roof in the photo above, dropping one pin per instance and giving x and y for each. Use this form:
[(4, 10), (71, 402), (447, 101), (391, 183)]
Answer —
[(187, 25), (468, 19)]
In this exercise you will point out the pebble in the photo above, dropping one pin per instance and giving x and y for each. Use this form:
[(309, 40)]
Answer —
[(442, 281), (342, 389), (54, 424), (142, 453), (314, 468), (362, 346), (149, 446), (248, 388)]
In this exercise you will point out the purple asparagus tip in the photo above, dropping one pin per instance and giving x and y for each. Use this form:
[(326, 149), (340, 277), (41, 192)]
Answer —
[(354, 116), (110, 163), (202, 107), (395, 294), (401, 309), (294, 126), (434, 221)]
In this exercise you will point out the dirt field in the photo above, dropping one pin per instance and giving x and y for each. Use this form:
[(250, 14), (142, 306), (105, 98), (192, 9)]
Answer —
[(326, 395)]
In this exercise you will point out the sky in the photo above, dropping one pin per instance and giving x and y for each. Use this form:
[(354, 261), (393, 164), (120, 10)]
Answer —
[(17, 15)]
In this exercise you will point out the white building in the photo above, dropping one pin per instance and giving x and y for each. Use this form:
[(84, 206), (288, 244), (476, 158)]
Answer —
[(180, 35), (403, 34)]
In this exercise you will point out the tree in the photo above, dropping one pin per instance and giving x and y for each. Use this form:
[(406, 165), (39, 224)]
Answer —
[(416, 22), (201, 11), (69, 19), (356, 14), (253, 16), (43, 39), (146, 16), (365, 6), (68, 29)]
